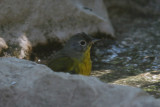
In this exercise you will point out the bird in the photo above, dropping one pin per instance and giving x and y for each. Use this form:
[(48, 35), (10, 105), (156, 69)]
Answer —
[(74, 57)]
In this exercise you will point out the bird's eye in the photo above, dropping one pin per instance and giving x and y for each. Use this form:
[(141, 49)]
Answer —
[(82, 43)]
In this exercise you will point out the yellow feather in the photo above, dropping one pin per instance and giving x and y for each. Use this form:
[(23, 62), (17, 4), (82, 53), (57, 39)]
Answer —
[(84, 65)]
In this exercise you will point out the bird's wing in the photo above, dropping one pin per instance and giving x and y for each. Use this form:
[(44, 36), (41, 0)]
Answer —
[(64, 64)]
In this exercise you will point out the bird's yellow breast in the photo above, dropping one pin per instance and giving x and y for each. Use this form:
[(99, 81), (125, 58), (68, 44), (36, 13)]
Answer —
[(84, 65)]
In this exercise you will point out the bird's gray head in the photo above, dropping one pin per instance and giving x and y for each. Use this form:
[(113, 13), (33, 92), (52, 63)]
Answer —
[(79, 42)]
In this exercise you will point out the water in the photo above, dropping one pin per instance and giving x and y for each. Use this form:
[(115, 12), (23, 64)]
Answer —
[(138, 51)]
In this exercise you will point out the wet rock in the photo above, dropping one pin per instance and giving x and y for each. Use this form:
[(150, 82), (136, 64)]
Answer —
[(136, 23), (27, 84)]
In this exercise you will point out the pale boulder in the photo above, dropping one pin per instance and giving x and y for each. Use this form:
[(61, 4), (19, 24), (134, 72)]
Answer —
[(27, 84), (42, 20)]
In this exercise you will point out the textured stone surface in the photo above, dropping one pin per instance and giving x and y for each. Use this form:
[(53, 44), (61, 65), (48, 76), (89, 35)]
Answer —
[(140, 7), (39, 21), (27, 84)]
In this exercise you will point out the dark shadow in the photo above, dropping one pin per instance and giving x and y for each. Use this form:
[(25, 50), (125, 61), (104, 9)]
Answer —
[(42, 51)]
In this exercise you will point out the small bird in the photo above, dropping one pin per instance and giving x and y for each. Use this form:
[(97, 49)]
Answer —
[(74, 58)]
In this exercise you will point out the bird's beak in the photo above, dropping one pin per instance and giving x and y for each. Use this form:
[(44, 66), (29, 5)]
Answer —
[(94, 40)]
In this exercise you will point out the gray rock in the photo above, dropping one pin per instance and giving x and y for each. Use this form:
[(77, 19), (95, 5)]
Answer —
[(39, 21), (135, 7), (27, 84)]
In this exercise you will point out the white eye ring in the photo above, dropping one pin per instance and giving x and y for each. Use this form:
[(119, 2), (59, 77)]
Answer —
[(82, 42)]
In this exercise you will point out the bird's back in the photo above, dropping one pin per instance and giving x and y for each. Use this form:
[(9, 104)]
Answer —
[(64, 61)]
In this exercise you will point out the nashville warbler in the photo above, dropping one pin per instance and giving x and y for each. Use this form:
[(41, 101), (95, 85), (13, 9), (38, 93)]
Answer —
[(74, 58)]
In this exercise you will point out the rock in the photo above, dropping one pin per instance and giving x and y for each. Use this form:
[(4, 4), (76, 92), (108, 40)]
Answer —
[(3, 44), (39, 21), (136, 7), (27, 84)]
